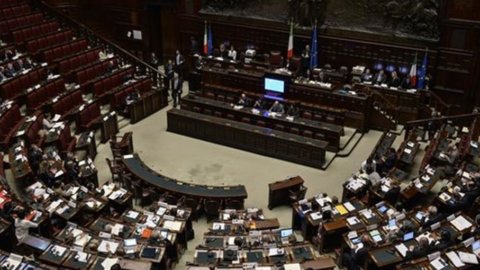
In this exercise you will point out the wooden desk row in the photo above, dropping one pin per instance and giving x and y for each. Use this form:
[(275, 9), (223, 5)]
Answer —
[(243, 136), (300, 126), (150, 103)]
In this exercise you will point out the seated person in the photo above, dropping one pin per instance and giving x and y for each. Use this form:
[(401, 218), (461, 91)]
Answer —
[(369, 163), (322, 77), (232, 54), (432, 216), (366, 76), (60, 189), (356, 258), (380, 77), (391, 196), (277, 107), (407, 83), (223, 51), (421, 250), (293, 111), (373, 176), (259, 104), (394, 80), (242, 100), (387, 162), (10, 71), (47, 121), (444, 241)]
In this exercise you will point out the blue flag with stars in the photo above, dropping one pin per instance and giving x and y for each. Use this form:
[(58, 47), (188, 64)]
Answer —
[(210, 40), (422, 72), (314, 49)]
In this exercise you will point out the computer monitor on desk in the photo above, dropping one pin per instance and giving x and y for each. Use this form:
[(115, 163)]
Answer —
[(275, 85)]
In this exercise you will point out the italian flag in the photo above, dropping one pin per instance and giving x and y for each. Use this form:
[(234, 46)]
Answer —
[(413, 72), (205, 40), (290, 42)]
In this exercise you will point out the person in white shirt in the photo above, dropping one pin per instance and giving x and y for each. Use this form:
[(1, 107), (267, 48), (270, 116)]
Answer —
[(47, 122), (232, 54), (22, 226), (369, 163)]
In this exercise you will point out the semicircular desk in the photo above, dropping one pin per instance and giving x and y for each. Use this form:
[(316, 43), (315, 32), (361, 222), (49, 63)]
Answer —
[(139, 169)]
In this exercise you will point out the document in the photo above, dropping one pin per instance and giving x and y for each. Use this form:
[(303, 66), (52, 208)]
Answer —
[(109, 262), (275, 252), (353, 220), (461, 223), (13, 261), (58, 250), (316, 215), (292, 266), (172, 225), (452, 255), (402, 249), (438, 263), (117, 228), (467, 257), (82, 256), (132, 214), (349, 206), (341, 209), (108, 246)]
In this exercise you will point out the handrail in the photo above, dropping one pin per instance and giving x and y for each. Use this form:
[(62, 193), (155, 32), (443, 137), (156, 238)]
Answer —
[(157, 76), (441, 102), (442, 119)]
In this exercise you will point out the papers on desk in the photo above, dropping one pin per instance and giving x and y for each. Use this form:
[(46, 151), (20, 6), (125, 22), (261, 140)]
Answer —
[(82, 256), (468, 257), (218, 226), (341, 209), (13, 261), (20, 133), (108, 189), (117, 194), (438, 263), (255, 111), (474, 144), (107, 246), (109, 262), (289, 118), (384, 188), (56, 117), (353, 221), (62, 210), (367, 213), (172, 225), (402, 249), (316, 215), (452, 255), (161, 211), (82, 240), (410, 144), (152, 221), (461, 223), (276, 252), (73, 190), (117, 228), (355, 184), (53, 206), (237, 107), (292, 266), (349, 206), (428, 235), (444, 197), (407, 150), (58, 250)]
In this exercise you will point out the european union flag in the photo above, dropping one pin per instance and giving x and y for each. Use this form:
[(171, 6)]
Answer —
[(314, 49), (422, 72), (210, 40)]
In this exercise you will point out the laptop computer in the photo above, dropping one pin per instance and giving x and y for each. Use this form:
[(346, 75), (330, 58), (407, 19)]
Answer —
[(408, 236), (129, 245)]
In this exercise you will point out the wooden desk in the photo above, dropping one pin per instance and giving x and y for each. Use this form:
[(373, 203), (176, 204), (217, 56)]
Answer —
[(278, 192), (322, 263), (134, 165), (329, 132), (86, 142), (247, 137), (108, 126), (150, 103)]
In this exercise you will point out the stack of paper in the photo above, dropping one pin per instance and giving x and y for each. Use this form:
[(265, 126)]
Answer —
[(452, 255), (109, 262), (461, 223), (172, 225), (108, 246)]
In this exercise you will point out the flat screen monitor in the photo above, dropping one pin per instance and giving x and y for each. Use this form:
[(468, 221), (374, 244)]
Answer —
[(408, 236), (286, 233), (274, 85)]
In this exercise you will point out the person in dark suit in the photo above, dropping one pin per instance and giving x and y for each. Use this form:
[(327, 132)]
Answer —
[(259, 104), (391, 196), (445, 240), (394, 80), (223, 51), (242, 100), (305, 61), (293, 111), (169, 71), (177, 89), (387, 162), (179, 63), (9, 71), (431, 217), (422, 249), (356, 258), (406, 83), (380, 77), (277, 107), (2, 74), (366, 76)]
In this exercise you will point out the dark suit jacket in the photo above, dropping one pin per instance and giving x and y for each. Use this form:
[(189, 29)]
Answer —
[(395, 82), (417, 252), (378, 80)]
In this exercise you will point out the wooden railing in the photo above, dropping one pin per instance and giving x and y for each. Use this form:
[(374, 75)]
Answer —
[(97, 40)]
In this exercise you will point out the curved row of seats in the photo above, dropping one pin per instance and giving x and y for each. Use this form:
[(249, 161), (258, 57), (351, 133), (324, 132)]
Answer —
[(38, 97), (35, 45), (13, 11), (21, 21), (68, 64), (63, 50), (119, 97), (15, 86)]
